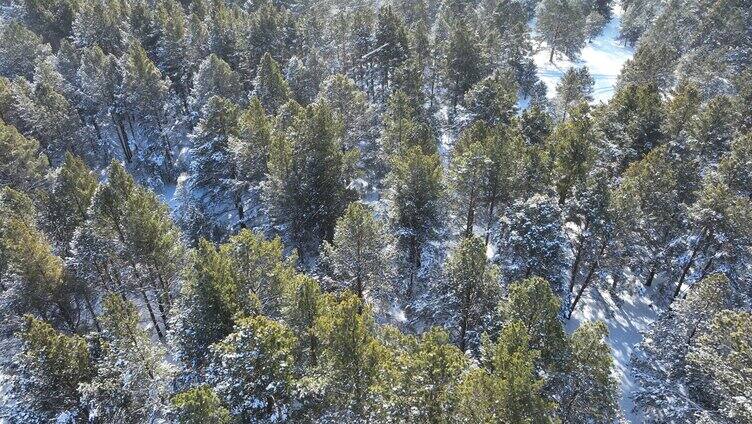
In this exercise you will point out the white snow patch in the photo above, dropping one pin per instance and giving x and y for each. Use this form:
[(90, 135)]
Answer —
[(604, 56), (626, 322)]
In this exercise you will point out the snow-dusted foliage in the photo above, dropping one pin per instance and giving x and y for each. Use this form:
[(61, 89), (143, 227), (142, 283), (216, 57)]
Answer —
[(220, 211)]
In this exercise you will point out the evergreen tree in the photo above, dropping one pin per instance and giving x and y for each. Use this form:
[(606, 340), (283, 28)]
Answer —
[(391, 46), (53, 366), (131, 380), (360, 254), (533, 304), (646, 201), (508, 390), (464, 66), (22, 166), (467, 173), (718, 365), (252, 143), (633, 123), (71, 191), (351, 357), (659, 362), (573, 150), (472, 292), (52, 19), (590, 393), (252, 370), (214, 78), (199, 405), (20, 50), (416, 190), (561, 24), (270, 85), (309, 175), (574, 87), (493, 99), (532, 241), (431, 368), (99, 23), (213, 179)]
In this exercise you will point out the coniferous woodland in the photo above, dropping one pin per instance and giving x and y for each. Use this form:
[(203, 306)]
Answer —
[(226, 211)]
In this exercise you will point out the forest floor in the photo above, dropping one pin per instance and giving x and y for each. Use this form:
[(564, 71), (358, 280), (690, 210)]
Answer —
[(627, 318), (604, 57)]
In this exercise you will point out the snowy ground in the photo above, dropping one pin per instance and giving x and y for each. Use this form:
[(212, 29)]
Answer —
[(604, 57), (625, 322)]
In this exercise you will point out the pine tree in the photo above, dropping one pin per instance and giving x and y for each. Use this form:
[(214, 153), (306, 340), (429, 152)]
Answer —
[(647, 202), (573, 150), (391, 46), (261, 271), (416, 190), (508, 390), (33, 277), (270, 86), (146, 98), (20, 50), (633, 123), (431, 368), (214, 78), (659, 362), (493, 99), (53, 366), (309, 175), (574, 87), (533, 304), (213, 176), (361, 254), (471, 292), (590, 394), (467, 173), (252, 370), (561, 24), (52, 119), (351, 355), (131, 380), (200, 405), (71, 191), (170, 29), (718, 365), (52, 19), (302, 306), (207, 305), (351, 104), (22, 165), (252, 143), (99, 23), (464, 66), (532, 241)]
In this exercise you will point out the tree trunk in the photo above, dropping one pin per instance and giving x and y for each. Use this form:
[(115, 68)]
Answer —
[(687, 266), (577, 258), (588, 279), (651, 275), (551, 57)]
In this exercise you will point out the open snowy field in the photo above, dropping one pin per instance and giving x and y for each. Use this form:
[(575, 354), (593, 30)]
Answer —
[(604, 57)]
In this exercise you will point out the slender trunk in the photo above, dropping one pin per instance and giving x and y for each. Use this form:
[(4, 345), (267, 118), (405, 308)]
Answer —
[(688, 265), (491, 207), (651, 275), (706, 268), (90, 308), (588, 279), (470, 219), (151, 313), (577, 258), (551, 57)]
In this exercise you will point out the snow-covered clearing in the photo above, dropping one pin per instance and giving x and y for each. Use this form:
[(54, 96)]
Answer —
[(626, 321), (604, 57)]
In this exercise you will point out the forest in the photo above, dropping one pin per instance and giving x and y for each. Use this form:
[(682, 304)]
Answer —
[(375, 211)]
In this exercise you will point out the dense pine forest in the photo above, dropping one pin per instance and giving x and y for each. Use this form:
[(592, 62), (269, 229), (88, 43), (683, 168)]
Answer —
[(374, 211)]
